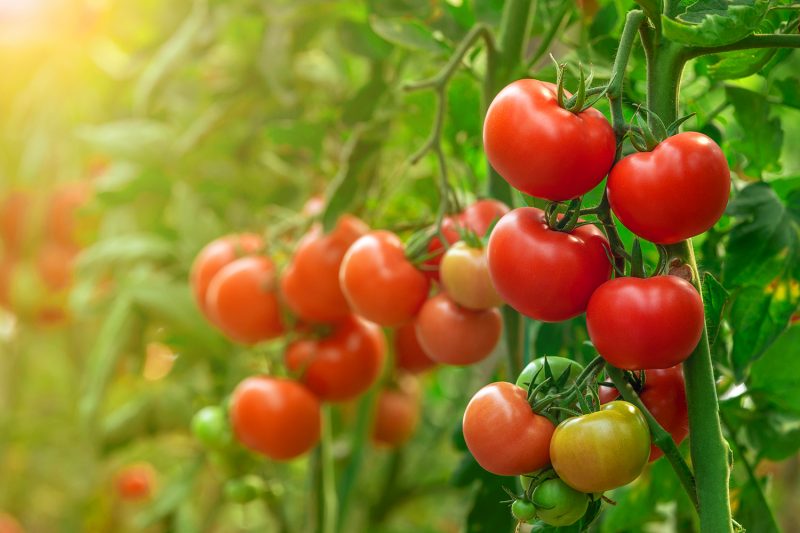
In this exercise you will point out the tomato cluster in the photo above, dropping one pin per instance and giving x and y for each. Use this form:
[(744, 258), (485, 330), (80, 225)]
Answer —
[(41, 238)]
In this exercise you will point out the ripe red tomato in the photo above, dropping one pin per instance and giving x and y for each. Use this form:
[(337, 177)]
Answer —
[(603, 450), (545, 274), (379, 283), (430, 267), (216, 255), (243, 302), (54, 263), (397, 413), (454, 335), (310, 283), (664, 395), (480, 216), (136, 482), (645, 323), (408, 354), (342, 365), (504, 434), (675, 192), (275, 417), (465, 276), (541, 148)]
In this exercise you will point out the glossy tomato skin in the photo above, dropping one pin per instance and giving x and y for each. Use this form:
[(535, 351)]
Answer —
[(603, 450), (481, 215), (408, 354), (677, 191), (310, 283), (664, 395), (136, 482), (342, 365), (214, 256), (397, 413), (243, 302), (454, 335), (379, 282), (465, 276), (541, 148), (545, 274), (638, 324), (502, 432), (558, 504), (278, 418)]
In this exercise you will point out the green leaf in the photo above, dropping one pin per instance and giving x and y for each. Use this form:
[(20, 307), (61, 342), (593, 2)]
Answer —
[(177, 490), (130, 249), (714, 299), (761, 138), (715, 22), (487, 514), (789, 89), (133, 139), (741, 63), (764, 242), (775, 378), (406, 33), (360, 39)]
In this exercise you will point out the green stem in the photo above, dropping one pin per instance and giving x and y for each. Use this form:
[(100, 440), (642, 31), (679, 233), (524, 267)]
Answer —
[(327, 466), (552, 31), (660, 436), (776, 40)]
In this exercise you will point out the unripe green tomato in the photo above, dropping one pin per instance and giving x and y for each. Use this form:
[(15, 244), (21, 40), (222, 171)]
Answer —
[(557, 504), (465, 276), (243, 490), (558, 365), (523, 510), (210, 426)]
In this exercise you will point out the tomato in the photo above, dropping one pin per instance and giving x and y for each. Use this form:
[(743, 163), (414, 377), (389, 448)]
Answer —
[(503, 433), (454, 335), (15, 211), (558, 504), (216, 255), (481, 215), (276, 417), (397, 413), (136, 482), (342, 365), (7, 266), (379, 283), (465, 277), (243, 303), (310, 283), (558, 365), (645, 323), (675, 192), (545, 274), (210, 426), (244, 489), (62, 224), (54, 264), (430, 267), (523, 510), (664, 395), (314, 206), (603, 450), (408, 354), (9, 524), (541, 148)]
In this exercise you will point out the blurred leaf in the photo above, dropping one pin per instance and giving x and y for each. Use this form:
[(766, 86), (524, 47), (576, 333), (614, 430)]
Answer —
[(401, 8), (761, 139), (789, 89), (125, 250), (714, 298), (406, 33), (751, 512), (176, 491), (775, 378), (360, 39), (133, 139), (715, 22), (487, 514)]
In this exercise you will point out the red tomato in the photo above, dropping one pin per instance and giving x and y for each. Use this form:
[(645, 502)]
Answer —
[(480, 216), (408, 354), (504, 434), (216, 255), (675, 192), (430, 267), (541, 148), (278, 418), (454, 335), (664, 395), (397, 413), (9, 524), (55, 263), (379, 283), (310, 284), (645, 323), (62, 213), (136, 482), (242, 300), (14, 220), (545, 274), (342, 365)]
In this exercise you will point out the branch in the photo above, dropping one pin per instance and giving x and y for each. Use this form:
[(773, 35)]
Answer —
[(776, 40), (552, 30)]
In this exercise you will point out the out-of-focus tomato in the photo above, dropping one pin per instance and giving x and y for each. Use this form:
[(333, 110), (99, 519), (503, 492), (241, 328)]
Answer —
[(14, 221), (55, 262), (136, 482), (408, 354), (481, 215), (9, 524), (465, 276), (397, 413), (62, 224), (342, 365), (310, 283)]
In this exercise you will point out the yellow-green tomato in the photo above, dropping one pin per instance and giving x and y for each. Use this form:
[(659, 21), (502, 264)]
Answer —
[(603, 450), (557, 504), (465, 276)]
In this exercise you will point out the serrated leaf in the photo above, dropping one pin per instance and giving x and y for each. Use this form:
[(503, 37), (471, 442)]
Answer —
[(715, 22), (406, 33), (715, 297), (761, 139)]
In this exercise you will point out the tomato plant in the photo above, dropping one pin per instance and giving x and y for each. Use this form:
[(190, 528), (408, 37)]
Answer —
[(465, 277), (557, 504), (408, 354)]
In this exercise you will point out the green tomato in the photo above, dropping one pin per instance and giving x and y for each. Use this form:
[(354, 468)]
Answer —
[(558, 365), (557, 504), (523, 510), (210, 426), (603, 450), (243, 490)]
